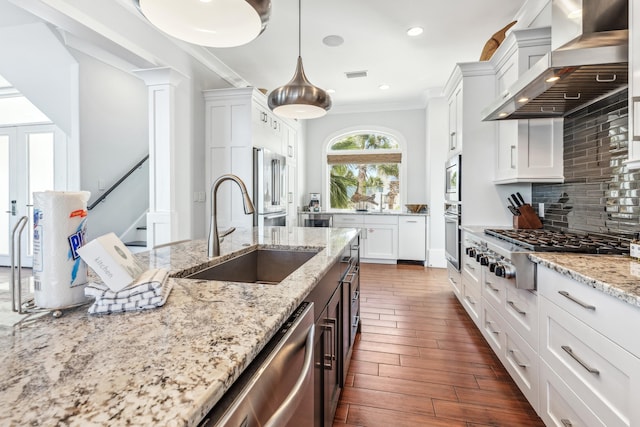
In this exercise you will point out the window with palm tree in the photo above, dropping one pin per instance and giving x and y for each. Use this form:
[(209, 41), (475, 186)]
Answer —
[(364, 172)]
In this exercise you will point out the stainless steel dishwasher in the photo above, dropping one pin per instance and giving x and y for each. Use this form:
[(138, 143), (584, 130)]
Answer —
[(277, 388)]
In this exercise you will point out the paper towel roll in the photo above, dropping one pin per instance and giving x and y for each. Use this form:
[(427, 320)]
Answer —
[(59, 226)]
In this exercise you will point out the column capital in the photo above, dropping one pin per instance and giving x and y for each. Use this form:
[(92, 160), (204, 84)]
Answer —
[(160, 76)]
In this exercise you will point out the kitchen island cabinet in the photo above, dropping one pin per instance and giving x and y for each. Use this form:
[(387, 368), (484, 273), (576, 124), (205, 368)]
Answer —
[(165, 366)]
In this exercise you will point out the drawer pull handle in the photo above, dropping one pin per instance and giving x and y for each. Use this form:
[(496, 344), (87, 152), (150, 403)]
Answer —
[(470, 267), (566, 423), (489, 327), (468, 298), (570, 352), (576, 300), (515, 307), (489, 285), (515, 359)]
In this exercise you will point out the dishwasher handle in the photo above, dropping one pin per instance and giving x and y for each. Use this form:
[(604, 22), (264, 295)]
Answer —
[(284, 413)]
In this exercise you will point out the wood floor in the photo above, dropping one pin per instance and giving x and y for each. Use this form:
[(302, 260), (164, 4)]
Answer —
[(420, 361)]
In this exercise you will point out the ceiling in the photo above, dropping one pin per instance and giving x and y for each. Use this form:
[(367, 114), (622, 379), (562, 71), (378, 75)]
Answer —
[(375, 40)]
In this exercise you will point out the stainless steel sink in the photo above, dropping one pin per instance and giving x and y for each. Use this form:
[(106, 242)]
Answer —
[(268, 266)]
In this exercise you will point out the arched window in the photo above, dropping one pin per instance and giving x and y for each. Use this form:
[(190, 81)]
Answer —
[(364, 171)]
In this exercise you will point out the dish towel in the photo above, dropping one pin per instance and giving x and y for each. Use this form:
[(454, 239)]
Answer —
[(150, 290)]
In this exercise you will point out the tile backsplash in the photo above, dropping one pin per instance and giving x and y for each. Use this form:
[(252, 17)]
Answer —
[(599, 194)]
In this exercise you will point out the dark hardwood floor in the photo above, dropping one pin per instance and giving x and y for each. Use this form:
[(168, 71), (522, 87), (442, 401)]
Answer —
[(420, 361)]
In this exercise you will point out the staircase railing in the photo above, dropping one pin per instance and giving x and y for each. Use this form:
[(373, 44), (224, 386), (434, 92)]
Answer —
[(118, 182)]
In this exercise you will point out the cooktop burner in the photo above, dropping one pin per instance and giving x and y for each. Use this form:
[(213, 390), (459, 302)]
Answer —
[(541, 240)]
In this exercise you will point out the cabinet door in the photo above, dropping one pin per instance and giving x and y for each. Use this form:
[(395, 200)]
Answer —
[(381, 242), (412, 238), (455, 121)]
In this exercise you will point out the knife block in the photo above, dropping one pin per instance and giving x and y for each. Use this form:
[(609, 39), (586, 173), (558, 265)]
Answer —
[(527, 218)]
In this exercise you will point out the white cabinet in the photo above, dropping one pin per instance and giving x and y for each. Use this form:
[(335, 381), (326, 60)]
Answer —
[(237, 120), (527, 150), (412, 235), (455, 120), (587, 346), (634, 85), (379, 238)]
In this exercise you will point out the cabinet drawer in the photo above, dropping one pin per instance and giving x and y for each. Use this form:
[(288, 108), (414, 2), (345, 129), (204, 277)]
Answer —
[(493, 329), (521, 313), (603, 312), (522, 363), (471, 302), (493, 289), (471, 270), (381, 219), (348, 220), (455, 280), (559, 405), (604, 375)]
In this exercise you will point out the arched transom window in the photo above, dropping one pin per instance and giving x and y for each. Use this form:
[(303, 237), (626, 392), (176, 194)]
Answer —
[(364, 172)]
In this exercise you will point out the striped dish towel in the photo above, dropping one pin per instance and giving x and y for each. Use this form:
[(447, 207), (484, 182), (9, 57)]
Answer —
[(150, 290)]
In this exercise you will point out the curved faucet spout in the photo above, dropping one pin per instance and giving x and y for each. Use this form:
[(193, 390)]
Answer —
[(214, 237)]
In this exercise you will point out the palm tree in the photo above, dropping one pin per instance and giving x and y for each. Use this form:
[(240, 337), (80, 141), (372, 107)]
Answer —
[(360, 174)]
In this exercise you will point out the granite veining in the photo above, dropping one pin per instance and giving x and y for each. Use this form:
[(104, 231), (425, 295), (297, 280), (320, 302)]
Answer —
[(615, 275), (165, 366)]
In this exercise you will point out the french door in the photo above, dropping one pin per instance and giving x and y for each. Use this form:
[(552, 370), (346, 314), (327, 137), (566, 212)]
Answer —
[(32, 158)]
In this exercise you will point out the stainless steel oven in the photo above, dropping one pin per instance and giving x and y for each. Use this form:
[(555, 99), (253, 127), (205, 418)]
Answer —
[(452, 233)]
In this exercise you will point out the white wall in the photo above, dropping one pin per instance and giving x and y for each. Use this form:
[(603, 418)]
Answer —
[(113, 138), (437, 119), (409, 123)]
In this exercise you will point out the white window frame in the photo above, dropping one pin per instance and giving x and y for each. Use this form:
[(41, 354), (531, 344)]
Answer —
[(358, 130)]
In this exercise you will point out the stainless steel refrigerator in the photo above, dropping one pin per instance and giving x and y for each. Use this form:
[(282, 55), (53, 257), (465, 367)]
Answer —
[(269, 188)]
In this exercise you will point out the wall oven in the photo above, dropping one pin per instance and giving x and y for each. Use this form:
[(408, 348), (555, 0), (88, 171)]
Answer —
[(452, 179), (452, 233)]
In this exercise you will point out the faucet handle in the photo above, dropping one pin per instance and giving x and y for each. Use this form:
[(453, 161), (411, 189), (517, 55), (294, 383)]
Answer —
[(227, 232)]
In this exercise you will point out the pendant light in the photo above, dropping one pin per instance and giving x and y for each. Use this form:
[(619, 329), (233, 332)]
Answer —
[(299, 99), (214, 23)]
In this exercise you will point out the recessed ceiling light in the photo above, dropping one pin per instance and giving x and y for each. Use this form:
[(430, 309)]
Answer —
[(523, 100), (333, 40), (503, 114), (414, 31), (383, 87), (552, 79)]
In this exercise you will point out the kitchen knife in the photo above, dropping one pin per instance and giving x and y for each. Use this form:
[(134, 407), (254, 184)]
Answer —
[(514, 211), (520, 198), (515, 200)]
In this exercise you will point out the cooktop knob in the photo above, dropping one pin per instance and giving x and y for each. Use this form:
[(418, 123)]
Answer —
[(484, 260), (471, 252)]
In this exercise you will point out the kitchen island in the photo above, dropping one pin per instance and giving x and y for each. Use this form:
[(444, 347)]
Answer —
[(165, 366)]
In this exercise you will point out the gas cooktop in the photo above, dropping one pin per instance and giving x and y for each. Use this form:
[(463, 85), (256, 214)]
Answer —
[(541, 240)]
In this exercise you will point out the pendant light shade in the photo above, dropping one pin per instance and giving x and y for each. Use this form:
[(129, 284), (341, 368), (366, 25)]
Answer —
[(214, 23), (299, 99)]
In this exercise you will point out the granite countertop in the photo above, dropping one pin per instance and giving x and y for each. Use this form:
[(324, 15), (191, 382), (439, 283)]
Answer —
[(353, 212), (166, 366), (615, 275)]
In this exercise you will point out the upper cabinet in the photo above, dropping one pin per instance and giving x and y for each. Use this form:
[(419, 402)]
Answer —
[(634, 86), (527, 150), (455, 120)]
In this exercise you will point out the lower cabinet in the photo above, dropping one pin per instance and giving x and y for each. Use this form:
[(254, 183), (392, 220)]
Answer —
[(379, 235), (412, 238), (586, 355), (335, 308)]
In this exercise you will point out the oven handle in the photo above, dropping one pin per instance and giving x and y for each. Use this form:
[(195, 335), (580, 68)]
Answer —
[(284, 413)]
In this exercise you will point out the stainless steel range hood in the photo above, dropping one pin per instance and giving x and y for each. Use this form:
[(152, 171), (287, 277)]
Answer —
[(590, 66)]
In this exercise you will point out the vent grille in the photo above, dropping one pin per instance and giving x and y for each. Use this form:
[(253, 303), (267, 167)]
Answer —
[(356, 74)]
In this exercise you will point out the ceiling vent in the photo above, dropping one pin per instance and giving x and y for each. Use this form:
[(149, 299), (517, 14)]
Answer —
[(356, 74)]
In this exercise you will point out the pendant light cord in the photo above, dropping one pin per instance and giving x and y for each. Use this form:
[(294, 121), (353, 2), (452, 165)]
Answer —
[(299, 28)]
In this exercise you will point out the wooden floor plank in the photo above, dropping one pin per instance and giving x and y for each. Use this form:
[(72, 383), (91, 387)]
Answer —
[(420, 360)]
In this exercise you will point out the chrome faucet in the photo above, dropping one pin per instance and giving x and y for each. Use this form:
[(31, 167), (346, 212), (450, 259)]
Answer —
[(214, 237)]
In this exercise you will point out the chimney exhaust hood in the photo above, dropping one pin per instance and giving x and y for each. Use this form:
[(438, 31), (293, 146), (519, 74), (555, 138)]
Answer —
[(587, 68)]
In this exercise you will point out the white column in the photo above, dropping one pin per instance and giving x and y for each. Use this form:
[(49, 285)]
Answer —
[(163, 216)]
